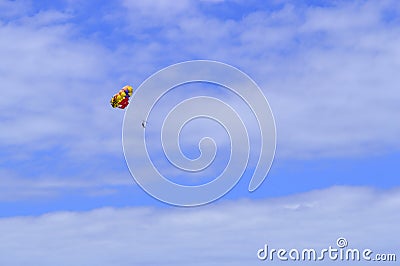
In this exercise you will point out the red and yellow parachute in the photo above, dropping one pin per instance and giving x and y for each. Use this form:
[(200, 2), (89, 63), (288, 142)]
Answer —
[(121, 99)]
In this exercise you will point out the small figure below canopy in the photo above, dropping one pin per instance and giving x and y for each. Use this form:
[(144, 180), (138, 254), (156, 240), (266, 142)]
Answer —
[(121, 99)]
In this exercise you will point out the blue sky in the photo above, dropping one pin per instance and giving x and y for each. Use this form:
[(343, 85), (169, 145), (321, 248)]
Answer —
[(328, 68)]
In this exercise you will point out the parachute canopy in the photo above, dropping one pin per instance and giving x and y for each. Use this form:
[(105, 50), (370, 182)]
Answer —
[(121, 99)]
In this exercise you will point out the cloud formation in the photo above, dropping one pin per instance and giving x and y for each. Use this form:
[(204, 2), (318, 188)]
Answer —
[(330, 77), (228, 233)]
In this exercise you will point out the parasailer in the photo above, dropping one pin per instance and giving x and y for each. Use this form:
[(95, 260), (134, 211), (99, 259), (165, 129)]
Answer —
[(121, 99)]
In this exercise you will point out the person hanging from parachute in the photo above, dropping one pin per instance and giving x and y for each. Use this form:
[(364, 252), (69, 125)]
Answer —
[(121, 99)]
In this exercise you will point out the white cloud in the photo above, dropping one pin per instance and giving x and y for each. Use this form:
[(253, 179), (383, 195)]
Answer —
[(53, 86), (26, 186), (331, 82), (11, 9), (330, 76), (224, 233), (157, 8)]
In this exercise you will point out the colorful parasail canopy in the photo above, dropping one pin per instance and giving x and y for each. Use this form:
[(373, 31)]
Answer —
[(121, 99)]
